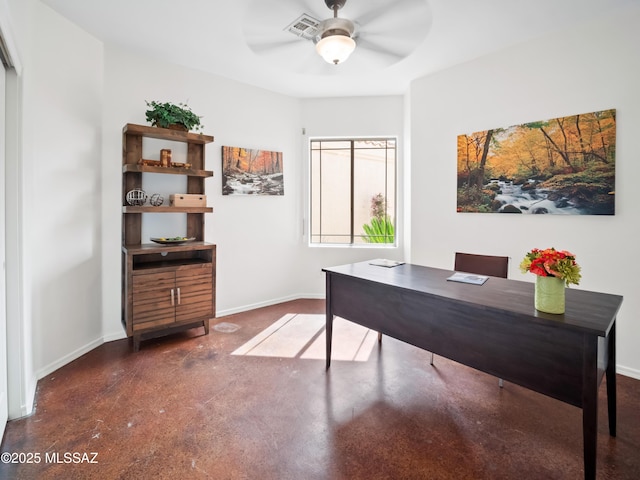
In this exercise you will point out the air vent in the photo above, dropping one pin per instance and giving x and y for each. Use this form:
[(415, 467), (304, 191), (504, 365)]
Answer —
[(304, 26)]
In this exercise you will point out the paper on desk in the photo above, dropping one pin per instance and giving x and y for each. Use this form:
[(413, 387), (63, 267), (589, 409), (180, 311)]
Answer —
[(383, 262), (468, 278)]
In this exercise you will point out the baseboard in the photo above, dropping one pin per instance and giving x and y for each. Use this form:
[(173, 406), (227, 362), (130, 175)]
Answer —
[(628, 372), (267, 303), (110, 337), (61, 362), (30, 399)]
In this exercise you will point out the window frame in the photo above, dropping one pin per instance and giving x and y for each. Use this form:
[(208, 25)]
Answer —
[(353, 235)]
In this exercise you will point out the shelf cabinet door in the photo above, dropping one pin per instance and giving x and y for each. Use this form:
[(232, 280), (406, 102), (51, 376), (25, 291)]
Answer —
[(195, 291), (154, 300)]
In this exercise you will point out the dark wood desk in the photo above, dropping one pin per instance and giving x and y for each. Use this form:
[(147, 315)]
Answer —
[(493, 328)]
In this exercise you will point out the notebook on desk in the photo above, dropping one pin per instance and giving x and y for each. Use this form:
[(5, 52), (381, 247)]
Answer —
[(468, 278)]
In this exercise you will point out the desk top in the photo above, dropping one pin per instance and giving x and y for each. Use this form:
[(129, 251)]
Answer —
[(591, 312)]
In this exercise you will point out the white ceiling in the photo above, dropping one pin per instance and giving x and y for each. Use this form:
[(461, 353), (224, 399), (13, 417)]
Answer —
[(245, 39)]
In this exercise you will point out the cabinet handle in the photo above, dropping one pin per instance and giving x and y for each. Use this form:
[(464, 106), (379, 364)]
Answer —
[(172, 298), (178, 296)]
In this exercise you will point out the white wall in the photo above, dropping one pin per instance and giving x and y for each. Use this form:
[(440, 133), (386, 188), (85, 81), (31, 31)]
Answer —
[(263, 257), (592, 68), (348, 117), (64, 240), (59, 158), (257, 238)]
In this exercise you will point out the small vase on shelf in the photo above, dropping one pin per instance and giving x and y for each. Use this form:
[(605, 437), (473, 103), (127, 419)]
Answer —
[(549, 294)]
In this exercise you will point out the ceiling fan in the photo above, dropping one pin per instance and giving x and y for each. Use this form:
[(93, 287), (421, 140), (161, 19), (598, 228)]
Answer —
[(335, 35), (370, 33)]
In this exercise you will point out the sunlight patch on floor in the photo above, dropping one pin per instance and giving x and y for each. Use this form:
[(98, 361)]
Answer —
[(298, 335)]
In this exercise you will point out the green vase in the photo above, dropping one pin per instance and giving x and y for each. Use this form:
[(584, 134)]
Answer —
[(549, 296)]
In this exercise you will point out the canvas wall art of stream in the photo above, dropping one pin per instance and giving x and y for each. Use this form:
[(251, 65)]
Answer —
[(559, 166)]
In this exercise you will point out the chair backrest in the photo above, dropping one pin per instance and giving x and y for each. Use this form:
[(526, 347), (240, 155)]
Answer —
[(491, 265)]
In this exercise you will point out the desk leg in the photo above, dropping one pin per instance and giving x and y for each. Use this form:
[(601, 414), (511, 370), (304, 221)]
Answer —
[(329, 321), (329, 334), (590, 405), (611, 380)]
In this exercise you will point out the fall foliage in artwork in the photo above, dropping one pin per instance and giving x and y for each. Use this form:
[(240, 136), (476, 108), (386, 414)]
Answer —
[(251, 172), (560, 166)]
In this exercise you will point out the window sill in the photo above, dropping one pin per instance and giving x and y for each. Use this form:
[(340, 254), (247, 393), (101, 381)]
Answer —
[(373, 246)]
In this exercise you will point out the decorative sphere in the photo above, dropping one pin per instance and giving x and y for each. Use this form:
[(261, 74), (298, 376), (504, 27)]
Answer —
[(156, 200), (136, 197)]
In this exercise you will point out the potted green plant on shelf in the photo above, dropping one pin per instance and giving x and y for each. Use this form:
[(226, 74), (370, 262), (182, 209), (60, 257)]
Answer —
[(169, 115)]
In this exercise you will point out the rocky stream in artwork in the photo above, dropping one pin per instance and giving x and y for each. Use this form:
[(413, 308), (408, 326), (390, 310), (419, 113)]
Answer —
[(251, 184), (534, 197)]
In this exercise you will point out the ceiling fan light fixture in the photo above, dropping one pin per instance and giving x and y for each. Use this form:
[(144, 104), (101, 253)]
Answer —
[(335, 48)]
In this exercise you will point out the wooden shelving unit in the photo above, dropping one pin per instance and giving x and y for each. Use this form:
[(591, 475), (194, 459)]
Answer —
[(165, 288), (150, 209), (171, 171)]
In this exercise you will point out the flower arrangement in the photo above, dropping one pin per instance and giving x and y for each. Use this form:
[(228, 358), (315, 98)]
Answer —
[(552, 263)]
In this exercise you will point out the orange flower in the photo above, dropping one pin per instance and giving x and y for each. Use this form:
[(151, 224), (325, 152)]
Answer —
[(552, 263)]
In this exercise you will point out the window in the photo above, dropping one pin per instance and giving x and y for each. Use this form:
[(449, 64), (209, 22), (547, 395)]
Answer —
[(353, 191)]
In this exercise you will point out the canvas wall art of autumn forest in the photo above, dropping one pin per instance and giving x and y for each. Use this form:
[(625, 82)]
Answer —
[(248, 171), (560, 166)]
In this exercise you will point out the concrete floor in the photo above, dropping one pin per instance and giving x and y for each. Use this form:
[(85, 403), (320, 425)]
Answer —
[(184, 407)]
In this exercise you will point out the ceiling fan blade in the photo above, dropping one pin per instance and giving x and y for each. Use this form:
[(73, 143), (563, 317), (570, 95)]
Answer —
[(414, 20), (370, 16), (261, 47), (265, 26), (395, 30), (391, 52), (402, 44)]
